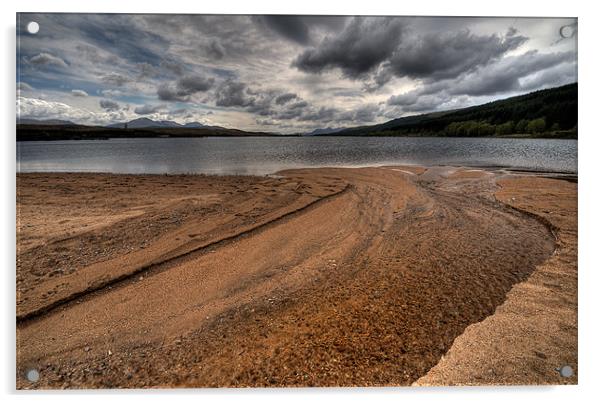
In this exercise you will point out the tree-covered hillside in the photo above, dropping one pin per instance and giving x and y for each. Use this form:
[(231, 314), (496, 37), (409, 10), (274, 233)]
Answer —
[(546, 113)]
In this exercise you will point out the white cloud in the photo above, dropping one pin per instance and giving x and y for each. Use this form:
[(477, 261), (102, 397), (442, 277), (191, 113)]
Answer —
[(79, 93), (43, 109)]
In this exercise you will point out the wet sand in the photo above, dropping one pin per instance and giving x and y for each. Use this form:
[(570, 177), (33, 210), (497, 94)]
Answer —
[(314, 277)]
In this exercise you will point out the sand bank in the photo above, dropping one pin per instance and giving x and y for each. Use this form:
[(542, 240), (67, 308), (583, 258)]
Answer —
[(316, 277)]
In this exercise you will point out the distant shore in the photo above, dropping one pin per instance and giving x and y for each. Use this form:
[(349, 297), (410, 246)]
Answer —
[(57, 133), (315, 277)]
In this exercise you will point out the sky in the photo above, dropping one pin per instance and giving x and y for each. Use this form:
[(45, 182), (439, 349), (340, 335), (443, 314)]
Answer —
[(284, 74)]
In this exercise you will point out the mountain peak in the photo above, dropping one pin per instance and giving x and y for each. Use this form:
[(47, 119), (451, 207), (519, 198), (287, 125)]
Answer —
[(145, 123)]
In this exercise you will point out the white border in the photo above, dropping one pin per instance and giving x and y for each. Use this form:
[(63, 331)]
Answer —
[(589, 196)]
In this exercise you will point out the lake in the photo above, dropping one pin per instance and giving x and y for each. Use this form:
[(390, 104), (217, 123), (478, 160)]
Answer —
[(266, 155)]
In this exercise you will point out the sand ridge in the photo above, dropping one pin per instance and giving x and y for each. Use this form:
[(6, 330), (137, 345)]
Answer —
[(543, 308)]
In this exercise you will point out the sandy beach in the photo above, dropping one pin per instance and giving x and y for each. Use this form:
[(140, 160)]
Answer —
[(398, 275)]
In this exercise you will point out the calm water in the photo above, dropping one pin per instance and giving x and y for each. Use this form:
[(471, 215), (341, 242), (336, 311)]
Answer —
[(265, 155)]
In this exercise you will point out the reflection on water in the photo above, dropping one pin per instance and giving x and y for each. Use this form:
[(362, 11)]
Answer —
[(266, 155)]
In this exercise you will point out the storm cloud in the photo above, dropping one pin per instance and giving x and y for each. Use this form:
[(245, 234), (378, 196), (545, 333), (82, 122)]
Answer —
[(233, 93), (289, 73), (363, 45), (184, 87), (446, 55), (388, 49), (291, 27), (284, 98)]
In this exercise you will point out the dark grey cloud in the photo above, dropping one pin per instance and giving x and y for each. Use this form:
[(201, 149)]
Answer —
[(291, 27), (330, 23), (148, 109), (115, 79), (298, 105), (513, 74), (194, 83), (215, 49), (184, 87), (438, 56), (275, 103), (385, 47), (108, 105), (505, 76), (46, 59), (322, 114), (172, 66), (284, 98), (146, 70), (233, 93), (261, 106), (361, 46)]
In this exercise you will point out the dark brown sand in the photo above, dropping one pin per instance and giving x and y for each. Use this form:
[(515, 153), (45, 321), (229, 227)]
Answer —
[(321, 277)]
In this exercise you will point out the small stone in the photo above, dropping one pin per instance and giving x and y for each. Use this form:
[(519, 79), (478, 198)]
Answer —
[(541, 355)]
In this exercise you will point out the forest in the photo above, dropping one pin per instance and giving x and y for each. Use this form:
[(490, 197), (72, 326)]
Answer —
[(550, 113)]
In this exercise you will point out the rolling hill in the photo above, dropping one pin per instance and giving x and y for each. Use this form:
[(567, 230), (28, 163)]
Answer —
[(146, 123), (546, 113)]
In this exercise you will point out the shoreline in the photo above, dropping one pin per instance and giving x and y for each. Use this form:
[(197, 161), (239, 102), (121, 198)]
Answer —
[(349, 248), (507, 169), (513, 137)]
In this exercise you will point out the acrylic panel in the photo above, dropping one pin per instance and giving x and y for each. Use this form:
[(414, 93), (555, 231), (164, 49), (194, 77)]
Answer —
[(283, 200)]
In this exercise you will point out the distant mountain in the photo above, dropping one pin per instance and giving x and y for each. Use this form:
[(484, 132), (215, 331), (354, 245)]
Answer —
[(326, 130), (32, 130), (194, 125), (545, 113), (47, 122), (145, 123)]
